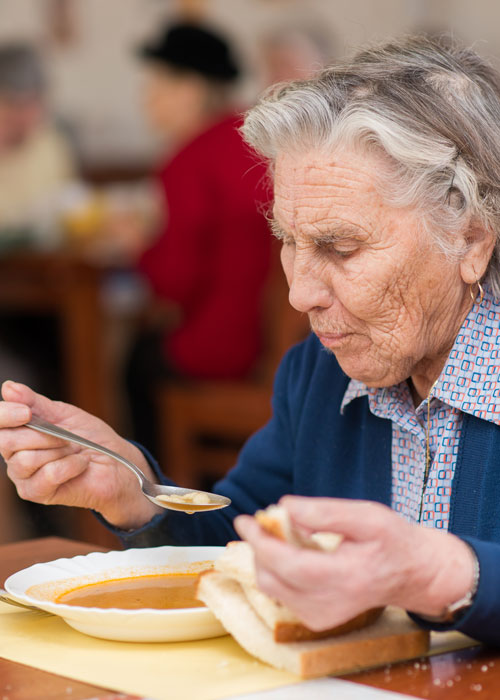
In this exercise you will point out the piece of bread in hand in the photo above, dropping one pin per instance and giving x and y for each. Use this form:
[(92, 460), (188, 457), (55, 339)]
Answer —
[(276, 521), (394, 637), (273, 633), (237, 563)]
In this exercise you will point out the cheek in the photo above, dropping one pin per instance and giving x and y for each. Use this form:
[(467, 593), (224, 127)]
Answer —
[(362, 286), (377, 295)]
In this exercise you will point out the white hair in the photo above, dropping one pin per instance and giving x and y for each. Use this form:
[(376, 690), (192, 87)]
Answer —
[(430, 106)]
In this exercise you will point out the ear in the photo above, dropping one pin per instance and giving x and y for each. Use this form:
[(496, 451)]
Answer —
[(480, 243)]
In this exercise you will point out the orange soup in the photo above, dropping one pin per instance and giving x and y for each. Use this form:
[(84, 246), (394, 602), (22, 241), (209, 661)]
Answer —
[(161, 591)]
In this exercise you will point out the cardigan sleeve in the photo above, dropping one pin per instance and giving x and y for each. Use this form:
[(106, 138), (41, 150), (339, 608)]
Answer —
[(261, 476)]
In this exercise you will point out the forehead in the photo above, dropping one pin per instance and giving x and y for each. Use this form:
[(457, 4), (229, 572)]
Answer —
[(312, 186)]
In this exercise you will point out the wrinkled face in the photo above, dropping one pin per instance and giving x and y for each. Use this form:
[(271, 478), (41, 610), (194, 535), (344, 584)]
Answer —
[(379, 294)]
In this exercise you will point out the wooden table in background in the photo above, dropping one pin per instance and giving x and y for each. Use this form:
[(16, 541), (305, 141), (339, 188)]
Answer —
[(459, 675), (63, 284)]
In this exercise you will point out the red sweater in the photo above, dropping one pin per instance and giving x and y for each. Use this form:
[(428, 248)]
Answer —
[(213, 256)]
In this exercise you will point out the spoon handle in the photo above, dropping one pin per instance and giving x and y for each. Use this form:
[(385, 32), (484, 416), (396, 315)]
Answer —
[(5, 598), (50, 429)]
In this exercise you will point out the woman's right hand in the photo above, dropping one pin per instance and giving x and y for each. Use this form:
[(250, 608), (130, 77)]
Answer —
[(49, 470)]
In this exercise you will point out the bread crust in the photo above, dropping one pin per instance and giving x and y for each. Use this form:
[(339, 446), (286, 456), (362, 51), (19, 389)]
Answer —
[(237, 563), (284, 640), (271, 525), (297, 632), (393, 637)]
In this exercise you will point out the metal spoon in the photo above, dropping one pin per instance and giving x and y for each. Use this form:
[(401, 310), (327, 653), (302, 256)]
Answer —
[(6, 598), (170, 497)]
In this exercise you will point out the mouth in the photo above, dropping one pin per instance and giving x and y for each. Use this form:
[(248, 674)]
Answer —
[(332, 340)]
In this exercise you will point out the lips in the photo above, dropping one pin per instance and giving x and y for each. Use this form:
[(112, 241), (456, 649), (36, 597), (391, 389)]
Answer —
[(332, 340)]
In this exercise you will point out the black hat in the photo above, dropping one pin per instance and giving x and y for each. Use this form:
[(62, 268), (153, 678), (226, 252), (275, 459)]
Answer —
[(194, 48)]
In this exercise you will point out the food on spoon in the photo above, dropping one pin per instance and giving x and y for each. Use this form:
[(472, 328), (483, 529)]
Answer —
[(197, 498)]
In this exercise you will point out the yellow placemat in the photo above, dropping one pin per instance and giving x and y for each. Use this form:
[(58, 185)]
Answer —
[(205, 670)]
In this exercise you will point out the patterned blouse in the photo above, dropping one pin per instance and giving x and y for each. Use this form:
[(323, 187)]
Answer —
[(468, 383)]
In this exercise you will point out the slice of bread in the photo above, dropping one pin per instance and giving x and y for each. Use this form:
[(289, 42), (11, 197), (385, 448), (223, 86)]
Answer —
[(393, 637), (237, 563), (286, 631), (276, 521)]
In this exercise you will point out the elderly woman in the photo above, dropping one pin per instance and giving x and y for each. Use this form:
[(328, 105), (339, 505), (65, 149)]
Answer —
[(387, 200)]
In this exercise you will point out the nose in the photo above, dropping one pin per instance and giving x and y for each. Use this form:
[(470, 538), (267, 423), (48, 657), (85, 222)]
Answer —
[(308, 288)]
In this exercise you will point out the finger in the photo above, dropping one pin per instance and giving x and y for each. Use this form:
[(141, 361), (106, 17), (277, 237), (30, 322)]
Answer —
[(267, 547), (18, 439), (303, 569), (13, 414), (38, 404), (316, 612), (247, 527), (25, 463), (45, 483), (356, 520)]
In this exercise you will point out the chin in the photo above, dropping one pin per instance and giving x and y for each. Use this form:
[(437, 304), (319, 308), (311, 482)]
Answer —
[(374, 378)]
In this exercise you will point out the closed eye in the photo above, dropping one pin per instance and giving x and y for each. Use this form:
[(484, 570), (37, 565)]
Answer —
[(338, 245), (333, 245)]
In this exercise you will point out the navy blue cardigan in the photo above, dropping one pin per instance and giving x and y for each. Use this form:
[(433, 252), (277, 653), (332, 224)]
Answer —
[(310, 448)]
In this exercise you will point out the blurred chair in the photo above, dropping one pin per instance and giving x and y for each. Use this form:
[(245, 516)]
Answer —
[(204, 424)]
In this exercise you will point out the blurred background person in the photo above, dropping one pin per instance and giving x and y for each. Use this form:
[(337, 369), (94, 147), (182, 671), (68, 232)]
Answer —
[(214, 191), (35, 157), (36, 163), (293, 53)]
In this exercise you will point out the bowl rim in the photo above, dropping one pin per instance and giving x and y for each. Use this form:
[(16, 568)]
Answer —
[(65, 610)]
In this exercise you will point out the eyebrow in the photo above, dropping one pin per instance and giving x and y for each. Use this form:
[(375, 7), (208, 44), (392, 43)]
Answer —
[(276, 229), (333, 232)]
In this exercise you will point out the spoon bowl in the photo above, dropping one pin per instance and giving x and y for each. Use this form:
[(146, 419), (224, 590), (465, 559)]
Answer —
[(170, 497)]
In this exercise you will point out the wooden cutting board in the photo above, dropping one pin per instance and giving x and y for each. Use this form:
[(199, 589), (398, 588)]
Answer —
[(393, 637)]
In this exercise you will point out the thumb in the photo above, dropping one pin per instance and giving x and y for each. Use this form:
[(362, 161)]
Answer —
[(39, 405), (356, 520)]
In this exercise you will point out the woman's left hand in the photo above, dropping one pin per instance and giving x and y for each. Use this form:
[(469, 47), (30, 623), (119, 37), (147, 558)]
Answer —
[(382, 560)]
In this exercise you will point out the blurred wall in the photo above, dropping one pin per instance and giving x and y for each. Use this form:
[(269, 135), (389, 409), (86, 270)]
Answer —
[(95, 79)]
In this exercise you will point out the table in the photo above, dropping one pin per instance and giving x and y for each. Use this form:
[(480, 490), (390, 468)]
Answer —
[(459, 675), (18, 682)]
